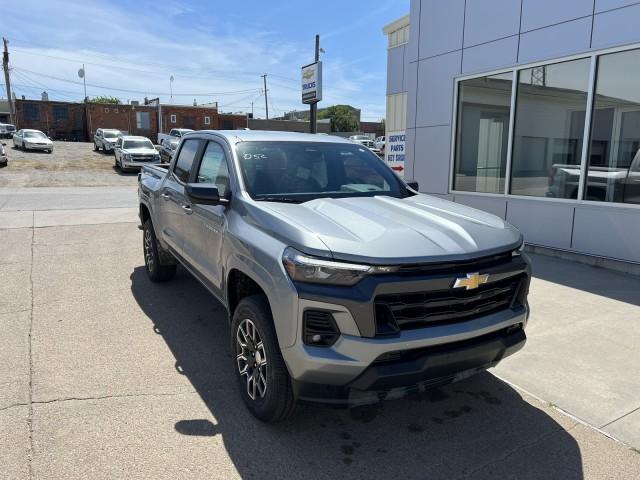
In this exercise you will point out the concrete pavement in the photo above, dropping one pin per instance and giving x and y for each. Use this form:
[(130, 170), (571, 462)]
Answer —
[(105, 375), (583, 348)]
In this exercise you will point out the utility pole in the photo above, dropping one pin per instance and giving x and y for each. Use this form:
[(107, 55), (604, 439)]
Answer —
[(266, 105), (313, 109), (7, 81), (251, 109)]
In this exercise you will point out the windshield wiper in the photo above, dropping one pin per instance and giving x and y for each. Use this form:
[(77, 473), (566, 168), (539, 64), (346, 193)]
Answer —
[(279, 199)]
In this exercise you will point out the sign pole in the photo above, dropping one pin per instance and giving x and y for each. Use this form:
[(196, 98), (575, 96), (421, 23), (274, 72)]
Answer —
[(313, 109)]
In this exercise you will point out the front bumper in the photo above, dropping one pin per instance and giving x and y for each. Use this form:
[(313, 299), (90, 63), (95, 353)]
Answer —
[(401, 372), (132, 164), (431, 353), (35, 146)]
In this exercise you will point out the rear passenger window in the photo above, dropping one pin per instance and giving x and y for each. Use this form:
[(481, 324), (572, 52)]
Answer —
[(214, 169), (185, 159)]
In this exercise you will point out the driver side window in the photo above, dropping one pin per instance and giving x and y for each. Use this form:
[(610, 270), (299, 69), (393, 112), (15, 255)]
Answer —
[(214, 168)]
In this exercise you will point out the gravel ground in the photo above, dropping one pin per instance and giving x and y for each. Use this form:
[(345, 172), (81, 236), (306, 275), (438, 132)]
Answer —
[(71, 164)]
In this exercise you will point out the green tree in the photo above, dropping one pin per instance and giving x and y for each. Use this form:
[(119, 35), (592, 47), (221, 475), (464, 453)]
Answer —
[(105, 99), (342, 118)]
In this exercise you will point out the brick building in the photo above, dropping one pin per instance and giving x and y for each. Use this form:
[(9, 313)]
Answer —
[(133, 119), (78, 121), (375, 128), (59, 120)]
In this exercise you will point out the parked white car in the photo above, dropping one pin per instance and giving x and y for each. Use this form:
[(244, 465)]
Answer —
[(379, 143), (3, 155), (133, 152), (365, 141), (106, 139), (27, 139)]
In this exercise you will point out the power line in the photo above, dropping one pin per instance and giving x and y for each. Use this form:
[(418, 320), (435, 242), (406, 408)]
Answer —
[(140, 92)]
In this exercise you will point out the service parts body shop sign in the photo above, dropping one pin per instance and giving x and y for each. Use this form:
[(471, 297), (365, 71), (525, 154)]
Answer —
[(394, 151)]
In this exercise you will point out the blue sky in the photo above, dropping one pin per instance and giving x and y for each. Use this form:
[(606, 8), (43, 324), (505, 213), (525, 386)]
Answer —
[(215, 48)]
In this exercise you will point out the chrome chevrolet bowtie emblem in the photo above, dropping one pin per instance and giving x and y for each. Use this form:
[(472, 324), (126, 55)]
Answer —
[(471, 281)]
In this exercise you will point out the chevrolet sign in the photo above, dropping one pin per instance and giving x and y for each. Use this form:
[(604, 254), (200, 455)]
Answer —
[(312, 83), (471, 281)]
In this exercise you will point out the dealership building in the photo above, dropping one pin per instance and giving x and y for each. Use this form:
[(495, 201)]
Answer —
[(529, 109)]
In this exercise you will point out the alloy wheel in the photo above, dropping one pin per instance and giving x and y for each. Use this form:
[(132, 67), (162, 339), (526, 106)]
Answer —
[(251, 358), (148, 250)]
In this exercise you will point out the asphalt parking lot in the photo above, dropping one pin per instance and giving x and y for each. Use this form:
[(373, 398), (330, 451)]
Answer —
[(106, 375), (71, 164)]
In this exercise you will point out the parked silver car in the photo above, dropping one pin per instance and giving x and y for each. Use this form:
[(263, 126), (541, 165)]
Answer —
[(28, 139), (132, 152), (7, 130), (342, 282)]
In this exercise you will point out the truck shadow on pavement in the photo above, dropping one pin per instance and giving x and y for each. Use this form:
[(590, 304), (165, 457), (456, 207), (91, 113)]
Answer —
[(477, 428)]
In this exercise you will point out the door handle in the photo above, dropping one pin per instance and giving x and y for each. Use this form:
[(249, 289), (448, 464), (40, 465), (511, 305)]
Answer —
[(187, 209), (165, 195)]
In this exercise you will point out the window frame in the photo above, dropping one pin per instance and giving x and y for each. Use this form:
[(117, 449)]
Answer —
[(196, 160), (200, 157), (586, 140)]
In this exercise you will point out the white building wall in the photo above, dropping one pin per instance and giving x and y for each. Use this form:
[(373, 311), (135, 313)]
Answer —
[(452, 38)]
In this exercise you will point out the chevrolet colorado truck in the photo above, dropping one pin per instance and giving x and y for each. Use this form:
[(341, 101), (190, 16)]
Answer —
[(342, 282)]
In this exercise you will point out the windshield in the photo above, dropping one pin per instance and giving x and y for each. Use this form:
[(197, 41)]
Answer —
[(110, 134), (301, 171), (137, 144), (34, 135)]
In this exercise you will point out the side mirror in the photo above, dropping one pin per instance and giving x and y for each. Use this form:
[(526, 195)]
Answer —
[(413, 185), (204, 194)]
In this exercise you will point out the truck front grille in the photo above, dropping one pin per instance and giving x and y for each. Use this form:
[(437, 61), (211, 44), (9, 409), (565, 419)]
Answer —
[(143, 158), (407, 311)]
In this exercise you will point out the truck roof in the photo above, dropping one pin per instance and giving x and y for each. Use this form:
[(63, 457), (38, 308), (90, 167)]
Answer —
[(234, 136)]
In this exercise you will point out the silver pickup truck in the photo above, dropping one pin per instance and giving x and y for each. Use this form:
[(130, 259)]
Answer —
[(342, 283)]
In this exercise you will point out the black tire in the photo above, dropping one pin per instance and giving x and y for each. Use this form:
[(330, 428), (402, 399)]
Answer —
[(276, 402), (156, 270)]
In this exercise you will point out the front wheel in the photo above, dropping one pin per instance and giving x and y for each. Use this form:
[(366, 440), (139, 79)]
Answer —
[(265, 384), (156, 271)]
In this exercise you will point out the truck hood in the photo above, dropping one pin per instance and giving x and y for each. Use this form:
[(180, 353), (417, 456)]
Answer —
[(385, 230)]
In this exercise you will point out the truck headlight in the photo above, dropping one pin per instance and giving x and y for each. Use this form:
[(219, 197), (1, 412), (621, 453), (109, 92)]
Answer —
[(126, 156), (303, 268)]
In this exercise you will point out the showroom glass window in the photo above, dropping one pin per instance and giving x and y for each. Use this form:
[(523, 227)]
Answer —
[(614, 157), (482, 133), (547, 142)]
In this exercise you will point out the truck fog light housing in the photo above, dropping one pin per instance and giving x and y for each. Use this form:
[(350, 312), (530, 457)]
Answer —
[(319, 328)]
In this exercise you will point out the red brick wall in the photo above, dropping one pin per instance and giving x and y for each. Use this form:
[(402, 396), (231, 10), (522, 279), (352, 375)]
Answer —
[(59, 120), (231, 122), (376, 128), (124, 118), (188, 117)]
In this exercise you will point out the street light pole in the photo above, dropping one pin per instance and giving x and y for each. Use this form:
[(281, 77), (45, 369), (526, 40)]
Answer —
[(266, 104), (313, 109)]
